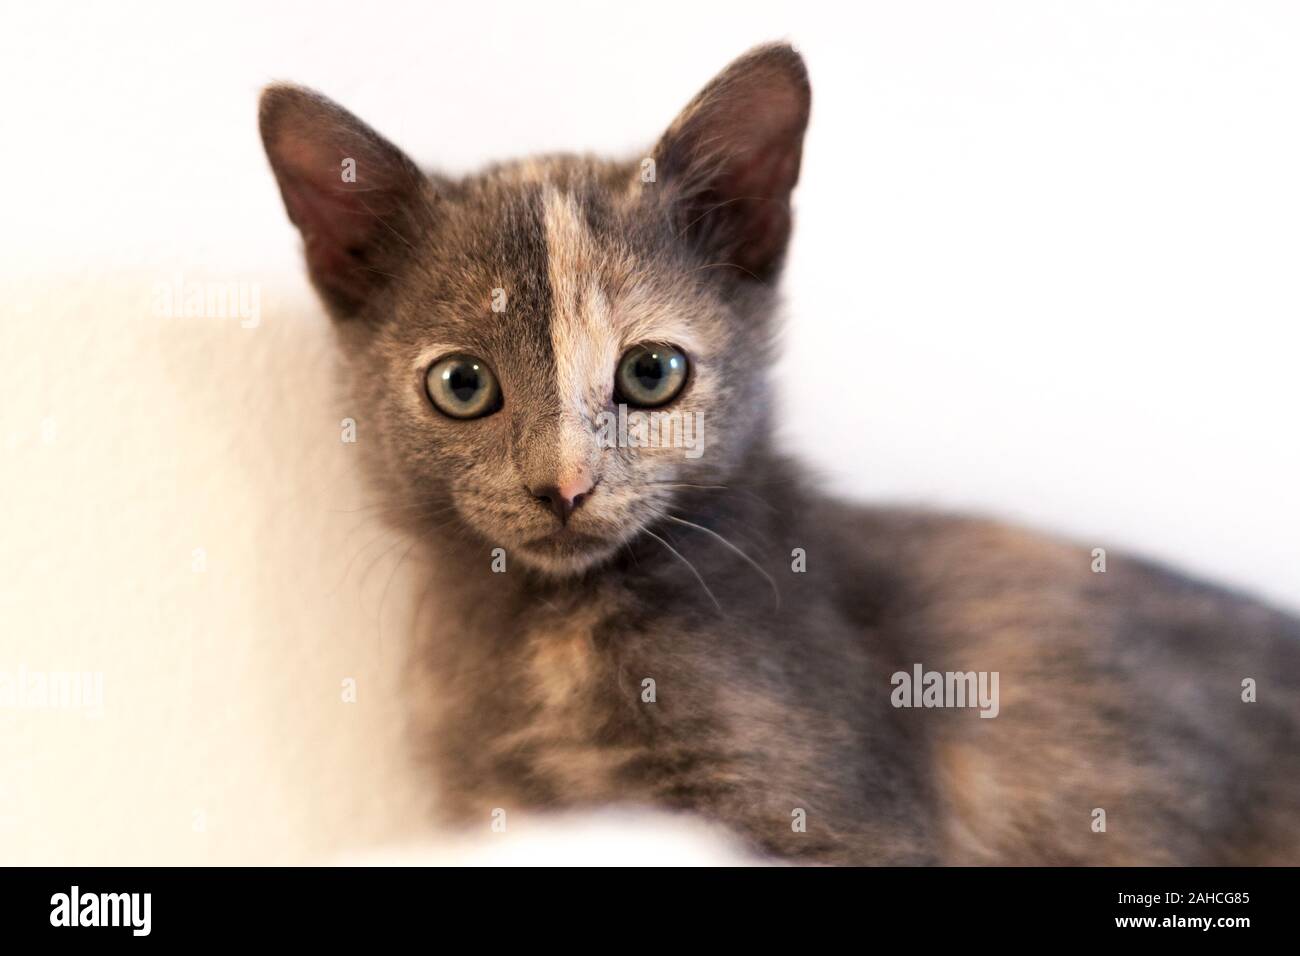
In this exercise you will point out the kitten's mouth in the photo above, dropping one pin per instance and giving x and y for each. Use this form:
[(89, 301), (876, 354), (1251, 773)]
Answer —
[(566, 552), (563, 542)]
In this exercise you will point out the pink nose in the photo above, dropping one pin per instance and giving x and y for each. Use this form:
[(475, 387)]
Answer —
[(567, 496)]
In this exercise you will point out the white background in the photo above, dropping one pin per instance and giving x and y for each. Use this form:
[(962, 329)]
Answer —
[(1045, 267)]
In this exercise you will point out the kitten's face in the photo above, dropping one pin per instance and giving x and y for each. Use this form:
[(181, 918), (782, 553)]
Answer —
[(551, 354), (585, 277)]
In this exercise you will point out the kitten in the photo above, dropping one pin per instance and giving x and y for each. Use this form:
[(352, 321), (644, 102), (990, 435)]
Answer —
[(624, 621)]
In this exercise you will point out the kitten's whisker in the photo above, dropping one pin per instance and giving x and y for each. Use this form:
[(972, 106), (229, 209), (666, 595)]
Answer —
[(347, 570), (725, 265), (685, 484), (720, 205), (406, 242), (386, 519), (734, 490), (378, 272), (379, 614), (385, 505), (776, 591), (419, 610), (361, 584), (688, 564)]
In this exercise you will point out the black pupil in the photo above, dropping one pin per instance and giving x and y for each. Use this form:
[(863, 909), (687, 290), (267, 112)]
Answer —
[(464, 381), (649, 371)]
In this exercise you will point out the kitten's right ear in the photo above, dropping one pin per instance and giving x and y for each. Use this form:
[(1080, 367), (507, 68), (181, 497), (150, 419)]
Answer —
[(352, 194), (731, 159)]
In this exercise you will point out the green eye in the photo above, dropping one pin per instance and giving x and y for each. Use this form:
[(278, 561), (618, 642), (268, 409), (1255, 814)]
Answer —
[(462, 386), (650, 375)]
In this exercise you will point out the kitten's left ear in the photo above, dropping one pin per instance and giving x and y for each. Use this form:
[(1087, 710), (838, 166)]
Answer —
[(731, 159), (352, 194)]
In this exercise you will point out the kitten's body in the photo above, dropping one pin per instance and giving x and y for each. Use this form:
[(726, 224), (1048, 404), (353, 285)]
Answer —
[(1119, 691)]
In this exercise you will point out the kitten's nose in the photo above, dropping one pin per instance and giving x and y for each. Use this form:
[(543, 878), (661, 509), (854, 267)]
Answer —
[(566, 497)]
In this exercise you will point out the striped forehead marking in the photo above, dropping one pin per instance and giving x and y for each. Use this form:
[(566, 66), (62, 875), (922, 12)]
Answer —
[(582, 341)]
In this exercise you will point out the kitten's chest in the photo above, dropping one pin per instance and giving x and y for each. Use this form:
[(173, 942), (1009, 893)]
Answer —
[(556, 714), (566, 661)]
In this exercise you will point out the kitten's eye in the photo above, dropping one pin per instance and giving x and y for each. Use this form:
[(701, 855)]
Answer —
[(650, 375), (462, 386)]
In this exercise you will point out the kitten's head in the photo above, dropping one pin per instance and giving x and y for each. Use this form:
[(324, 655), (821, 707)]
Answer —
[(549, 354)]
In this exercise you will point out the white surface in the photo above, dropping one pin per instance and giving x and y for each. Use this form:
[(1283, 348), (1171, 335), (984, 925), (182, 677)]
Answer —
[(1045, 266)]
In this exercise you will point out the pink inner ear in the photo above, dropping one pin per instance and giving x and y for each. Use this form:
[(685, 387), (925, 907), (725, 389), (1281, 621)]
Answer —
[(351, 226), (764, 169), (335, 227), (746, 206), (316, 193), (345, 225), (763, 133), (737, 148)]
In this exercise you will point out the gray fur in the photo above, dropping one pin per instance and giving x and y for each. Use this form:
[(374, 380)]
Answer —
[(1120, 691)]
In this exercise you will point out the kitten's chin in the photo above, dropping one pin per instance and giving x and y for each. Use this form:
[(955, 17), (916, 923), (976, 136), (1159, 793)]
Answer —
[(566, 554)]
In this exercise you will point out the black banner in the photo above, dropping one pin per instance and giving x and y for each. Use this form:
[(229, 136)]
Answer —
[(332, 905)]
